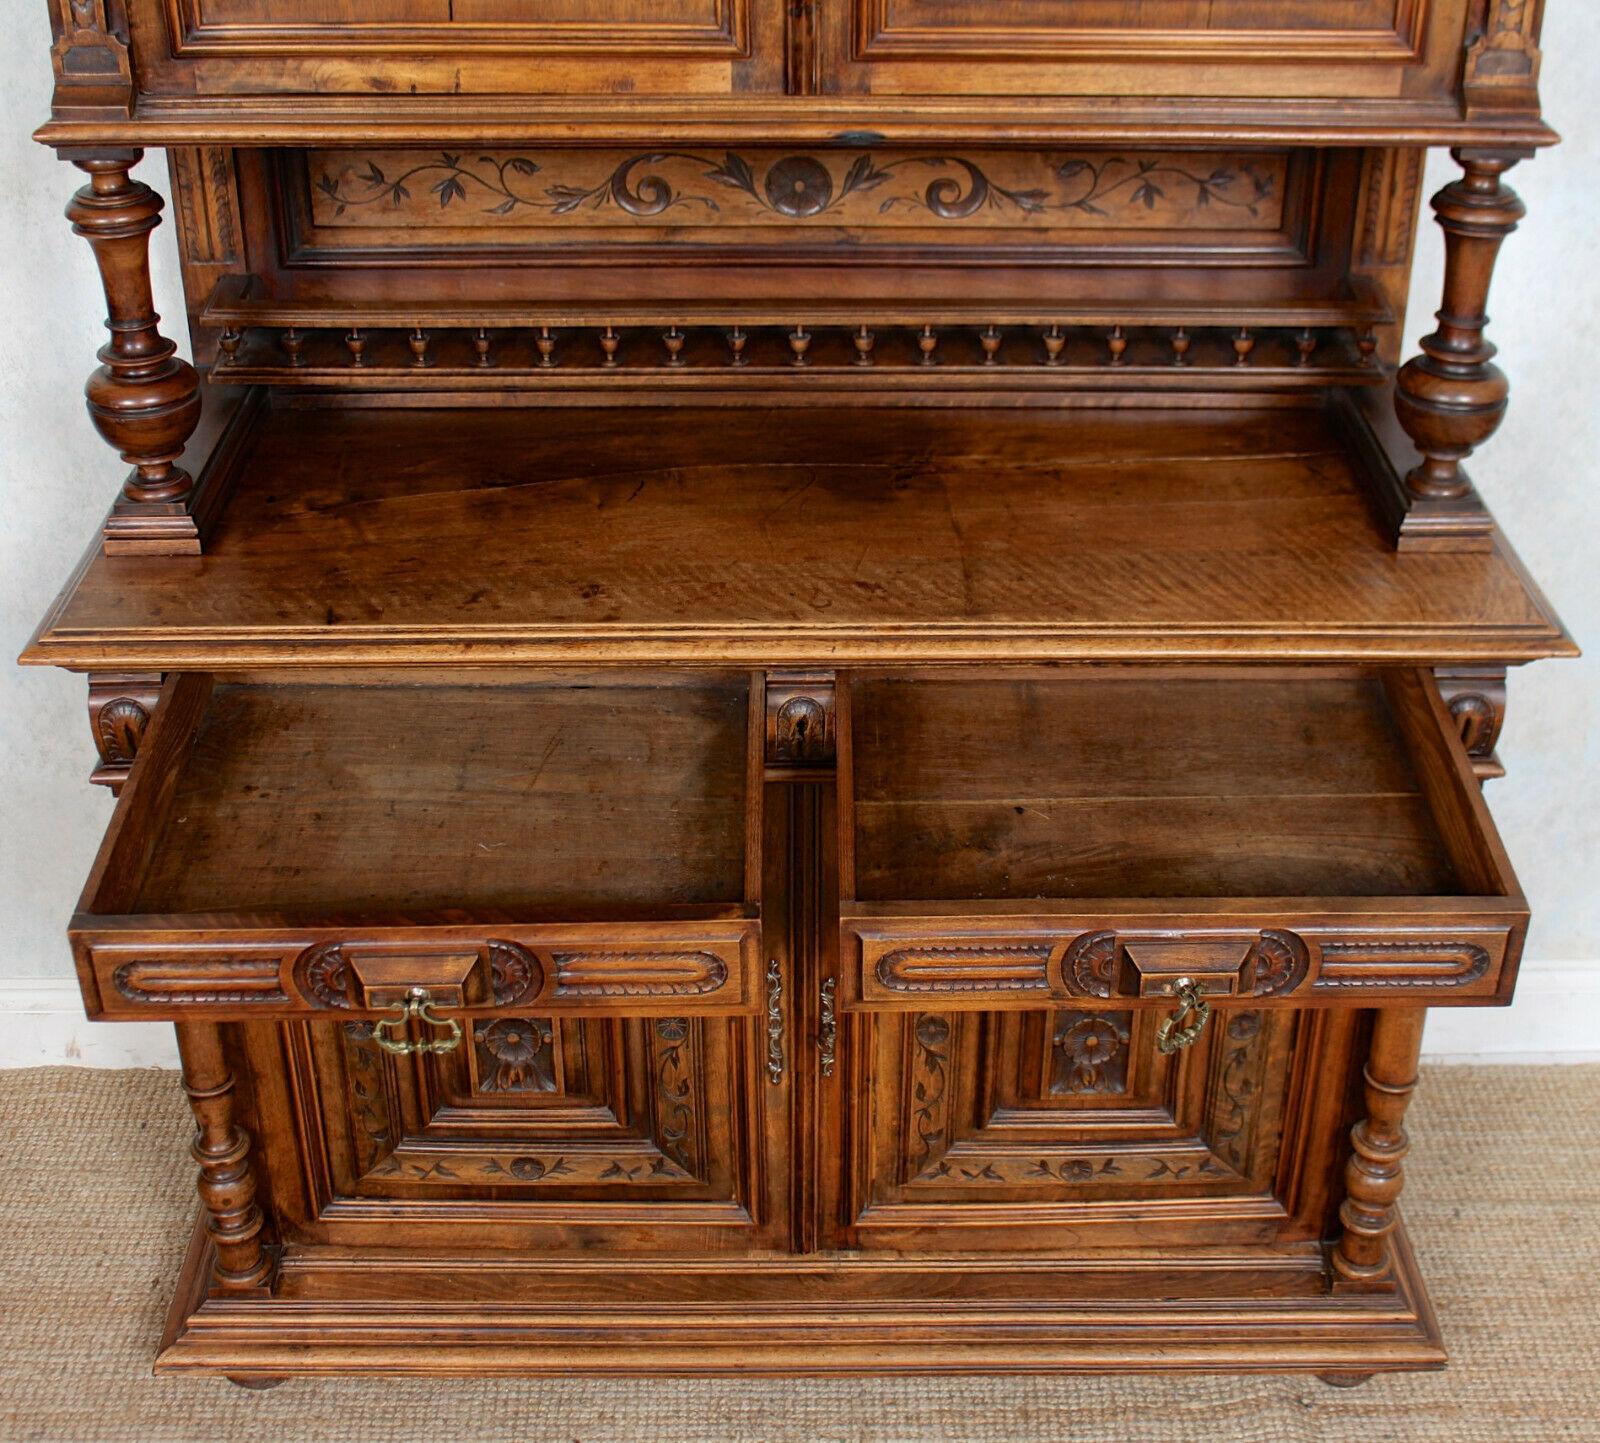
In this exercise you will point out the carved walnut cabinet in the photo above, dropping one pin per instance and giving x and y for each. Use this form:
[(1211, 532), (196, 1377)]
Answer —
[(798, 685)]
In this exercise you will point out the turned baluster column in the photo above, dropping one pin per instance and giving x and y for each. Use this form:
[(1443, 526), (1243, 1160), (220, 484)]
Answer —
[(222, 1148), (144, 399), (1374, 1176), (1451, 399)]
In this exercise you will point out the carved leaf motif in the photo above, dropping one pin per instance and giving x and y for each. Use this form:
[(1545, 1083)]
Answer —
[(514, 972), (1090, 966), (325, 978), (1015, 968), (1281, 961)]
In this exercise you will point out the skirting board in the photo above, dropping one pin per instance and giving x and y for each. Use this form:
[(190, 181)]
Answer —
[(1556, 1018)]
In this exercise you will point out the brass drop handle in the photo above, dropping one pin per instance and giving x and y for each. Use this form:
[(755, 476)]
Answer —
[(774, 1023), (420, 1006), (827, 1029), (1184, 1026)]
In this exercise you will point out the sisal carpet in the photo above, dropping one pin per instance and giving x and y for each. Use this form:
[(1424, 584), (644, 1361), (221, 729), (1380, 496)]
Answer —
[(97, 1191)]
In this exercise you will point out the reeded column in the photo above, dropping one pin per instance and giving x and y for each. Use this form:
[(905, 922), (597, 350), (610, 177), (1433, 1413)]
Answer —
[(144, 399), (227, 1182), (1451, 399), (1374, 1175)]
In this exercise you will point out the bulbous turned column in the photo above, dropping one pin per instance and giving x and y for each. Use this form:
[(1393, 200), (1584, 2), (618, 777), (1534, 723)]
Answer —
[(1451, 399), (227, 1182), (1374, 1175), (144, 399)]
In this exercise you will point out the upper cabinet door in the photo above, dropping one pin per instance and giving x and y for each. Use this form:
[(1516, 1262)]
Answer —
[(462, 47), (1382, 49)]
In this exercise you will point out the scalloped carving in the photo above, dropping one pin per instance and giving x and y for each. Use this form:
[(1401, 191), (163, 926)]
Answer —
[(514, 974), (1090, 966), (325, 977), (1281, 961)]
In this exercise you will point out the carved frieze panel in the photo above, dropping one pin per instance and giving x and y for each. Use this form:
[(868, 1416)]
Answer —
[(768, 195)]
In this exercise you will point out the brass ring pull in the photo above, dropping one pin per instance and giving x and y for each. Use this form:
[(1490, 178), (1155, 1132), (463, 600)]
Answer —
[(420, 1006), (1185, 1025), (828, 1029)]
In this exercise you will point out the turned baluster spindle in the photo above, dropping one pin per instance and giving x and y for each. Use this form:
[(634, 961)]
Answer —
[(419, 341), (673, 340), (1367, 346), (228, 343), (1451, 399), (227, 1182), (1374, 1175), (738, 340), (545, 344), (928, 344), (865, 340), (1055, 342), (609, 341), (1243, 344), (483, 348), (1117, 344), (1181, 341), (144, 399), (356, 343), (293, 342), (799, 345), (1306, 344), (990, 341)]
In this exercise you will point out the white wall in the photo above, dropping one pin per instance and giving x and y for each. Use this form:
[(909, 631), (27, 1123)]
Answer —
[(1541, 475)]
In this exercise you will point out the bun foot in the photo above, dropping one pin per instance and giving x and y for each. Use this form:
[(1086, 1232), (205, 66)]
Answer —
[(1345, 1380), (256, 1382)]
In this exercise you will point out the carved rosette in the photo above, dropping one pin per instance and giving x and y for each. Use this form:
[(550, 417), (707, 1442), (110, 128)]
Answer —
[(1090, 966), (514, 973), (324, 976)]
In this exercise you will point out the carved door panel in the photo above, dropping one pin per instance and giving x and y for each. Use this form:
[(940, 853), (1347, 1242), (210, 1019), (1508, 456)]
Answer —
[(1193, 48), (1017, 1131), (533, 1131), (444, 47)]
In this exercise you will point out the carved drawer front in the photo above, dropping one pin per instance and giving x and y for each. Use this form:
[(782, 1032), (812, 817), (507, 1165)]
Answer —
[(506, 847), (1269, 839)]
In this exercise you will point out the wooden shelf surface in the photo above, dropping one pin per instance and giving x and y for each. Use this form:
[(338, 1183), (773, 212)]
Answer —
[(399, 532)]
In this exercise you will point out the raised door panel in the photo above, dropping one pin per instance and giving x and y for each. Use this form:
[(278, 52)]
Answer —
[(456, 47), (1195, 48), (533, 1132), (1019, 1131)]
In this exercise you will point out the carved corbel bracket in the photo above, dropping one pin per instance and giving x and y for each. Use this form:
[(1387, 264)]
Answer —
[(1476, 696), (1502, 69), (801, 726), (90, 56), (120, 708)]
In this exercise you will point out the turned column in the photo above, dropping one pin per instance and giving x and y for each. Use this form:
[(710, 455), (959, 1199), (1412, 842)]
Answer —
[(1374, 1176), (144, 399), (1451, 399), (222, 1148)]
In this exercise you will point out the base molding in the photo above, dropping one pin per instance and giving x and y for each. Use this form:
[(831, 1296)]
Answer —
[(454, 1316)]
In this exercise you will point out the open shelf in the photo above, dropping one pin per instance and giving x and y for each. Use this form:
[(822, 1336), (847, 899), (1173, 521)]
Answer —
[(395, 531)]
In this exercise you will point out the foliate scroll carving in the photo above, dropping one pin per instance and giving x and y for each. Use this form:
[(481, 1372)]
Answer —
[(875, 190), (516, 1054), (120, 708), (1089, 1053), (638, 974), (1240, 1082), (934, 968), (929, 1076), (676, 1131), (366, 1082), (1090, 966)]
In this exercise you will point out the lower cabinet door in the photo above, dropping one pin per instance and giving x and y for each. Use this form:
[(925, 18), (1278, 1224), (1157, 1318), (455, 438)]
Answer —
[(1031, 1131), (543, 1131)]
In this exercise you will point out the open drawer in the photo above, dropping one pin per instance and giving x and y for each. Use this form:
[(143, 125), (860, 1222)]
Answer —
[(292, 847), (1097, 835)]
